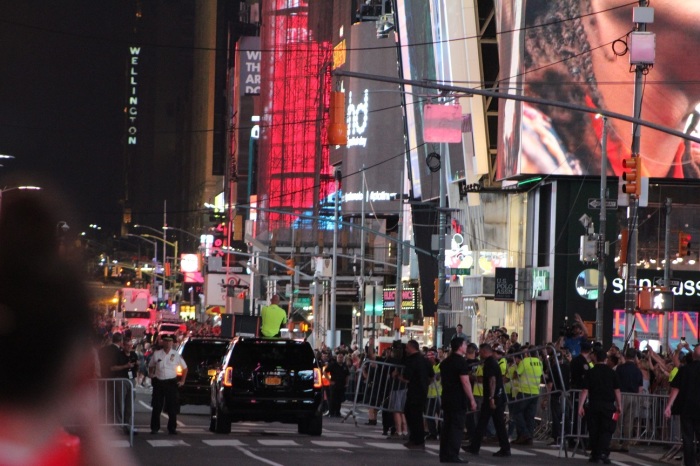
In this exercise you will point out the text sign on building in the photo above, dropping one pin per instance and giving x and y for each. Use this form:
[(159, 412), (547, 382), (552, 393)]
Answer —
[(250, 55), (505, 284), (132, 102), (409, 298), (540, 281)]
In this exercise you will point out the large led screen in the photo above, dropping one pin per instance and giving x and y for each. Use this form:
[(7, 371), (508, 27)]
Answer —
[(375, 125), (578, 52)]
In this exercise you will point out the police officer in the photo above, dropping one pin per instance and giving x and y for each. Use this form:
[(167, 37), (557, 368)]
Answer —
[(163, 371), (601, 387)]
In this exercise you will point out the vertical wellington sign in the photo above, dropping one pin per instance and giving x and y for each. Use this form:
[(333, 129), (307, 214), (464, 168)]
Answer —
[(132, 104), (505, 284)]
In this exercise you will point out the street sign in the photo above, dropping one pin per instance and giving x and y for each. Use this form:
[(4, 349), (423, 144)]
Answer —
[(302, 301), (659, 281), (595, 203), (454, 271)]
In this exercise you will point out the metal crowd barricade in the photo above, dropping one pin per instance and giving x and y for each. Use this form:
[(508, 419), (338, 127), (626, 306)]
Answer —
[(642, 421), (117, 404), (375, 386)]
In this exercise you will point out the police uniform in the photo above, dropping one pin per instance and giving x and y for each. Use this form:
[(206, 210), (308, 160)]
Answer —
[(165, 387)]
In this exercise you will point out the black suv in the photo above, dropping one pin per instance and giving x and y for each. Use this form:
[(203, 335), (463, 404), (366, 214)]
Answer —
[(271, 380), (203, 356)]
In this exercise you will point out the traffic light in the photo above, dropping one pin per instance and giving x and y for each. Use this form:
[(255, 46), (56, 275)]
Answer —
[(633, 177), (290, 266), (337, 127), (683, 244), (436, 295)]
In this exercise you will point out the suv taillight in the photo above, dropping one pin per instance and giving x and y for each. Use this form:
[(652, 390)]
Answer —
[(317, 378), (228, 377)]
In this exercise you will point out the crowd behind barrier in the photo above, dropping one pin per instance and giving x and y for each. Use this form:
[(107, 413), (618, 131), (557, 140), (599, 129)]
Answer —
[(642, 420)]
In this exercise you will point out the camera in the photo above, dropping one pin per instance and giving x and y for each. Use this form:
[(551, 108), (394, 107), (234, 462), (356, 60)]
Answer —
[(567, 330)]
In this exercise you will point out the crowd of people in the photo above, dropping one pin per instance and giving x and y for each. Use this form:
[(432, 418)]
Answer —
[(495, 390)]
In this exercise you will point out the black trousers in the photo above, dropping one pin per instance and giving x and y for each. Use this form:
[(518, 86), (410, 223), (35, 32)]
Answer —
[(690, 431), (337, 398), (453, 421), (499, 422), (413, 410), (601, 428), (164, 392)]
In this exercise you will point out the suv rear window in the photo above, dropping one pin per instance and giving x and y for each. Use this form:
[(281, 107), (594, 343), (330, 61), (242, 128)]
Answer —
[(247, 355), (204, 352)]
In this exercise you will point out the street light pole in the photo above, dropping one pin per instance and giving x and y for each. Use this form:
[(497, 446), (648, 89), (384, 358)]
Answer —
[(155, 262)]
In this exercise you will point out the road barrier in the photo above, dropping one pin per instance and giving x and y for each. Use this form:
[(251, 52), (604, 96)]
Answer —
[(642, 419), (642, 422), (117, 404)]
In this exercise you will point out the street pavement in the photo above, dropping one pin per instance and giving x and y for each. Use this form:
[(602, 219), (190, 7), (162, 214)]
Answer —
[(345, 441)]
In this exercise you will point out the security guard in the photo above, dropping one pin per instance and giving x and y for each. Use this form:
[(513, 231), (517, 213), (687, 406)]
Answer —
[(163, 371), (601, 387)]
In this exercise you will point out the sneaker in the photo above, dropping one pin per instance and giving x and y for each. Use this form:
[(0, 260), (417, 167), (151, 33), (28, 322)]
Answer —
[(502, 453), (431, 437), (371, 422)]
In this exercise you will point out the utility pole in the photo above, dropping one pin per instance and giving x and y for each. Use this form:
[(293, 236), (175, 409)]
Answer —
[(640, 70), (600, 304), (331, 340), (667, 266)]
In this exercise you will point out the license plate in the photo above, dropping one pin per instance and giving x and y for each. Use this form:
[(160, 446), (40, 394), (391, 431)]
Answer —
[(211, 372), (273, 381)]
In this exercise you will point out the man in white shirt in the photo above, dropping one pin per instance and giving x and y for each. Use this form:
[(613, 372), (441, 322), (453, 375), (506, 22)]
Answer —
[(163, 371)]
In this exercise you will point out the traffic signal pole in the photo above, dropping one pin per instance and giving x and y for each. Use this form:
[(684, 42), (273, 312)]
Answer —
[(633, 209)]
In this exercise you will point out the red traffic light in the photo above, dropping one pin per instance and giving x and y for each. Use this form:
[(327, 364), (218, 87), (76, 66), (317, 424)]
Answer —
[(683, 244)]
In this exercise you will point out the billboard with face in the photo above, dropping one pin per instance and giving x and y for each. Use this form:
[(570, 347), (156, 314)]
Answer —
[(577, 52)]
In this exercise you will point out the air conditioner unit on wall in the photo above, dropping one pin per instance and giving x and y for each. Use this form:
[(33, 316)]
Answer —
[(479, 286)]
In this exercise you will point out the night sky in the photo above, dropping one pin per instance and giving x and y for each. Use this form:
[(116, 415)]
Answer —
[(62, 95)]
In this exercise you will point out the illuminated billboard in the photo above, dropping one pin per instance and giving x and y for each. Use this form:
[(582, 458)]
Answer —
[(375, 124), (578, 52)]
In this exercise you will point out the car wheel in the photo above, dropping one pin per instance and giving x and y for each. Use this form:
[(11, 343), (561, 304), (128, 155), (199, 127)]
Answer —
[(221, 422), (314, 425)]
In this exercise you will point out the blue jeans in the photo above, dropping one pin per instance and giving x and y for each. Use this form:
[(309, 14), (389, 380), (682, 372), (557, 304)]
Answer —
[(525, 409)]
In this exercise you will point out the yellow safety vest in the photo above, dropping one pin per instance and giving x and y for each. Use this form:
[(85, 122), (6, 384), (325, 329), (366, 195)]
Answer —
[(530, 372)]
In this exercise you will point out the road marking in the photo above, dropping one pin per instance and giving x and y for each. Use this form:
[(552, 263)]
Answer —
[(278, 443), (259, 458), (168, 443), (387, 445), (148, 407), (165, 415), (513, 451), (334, 444), (224, 443)]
